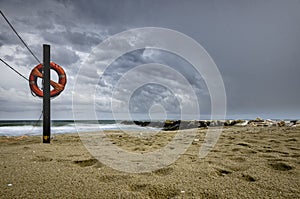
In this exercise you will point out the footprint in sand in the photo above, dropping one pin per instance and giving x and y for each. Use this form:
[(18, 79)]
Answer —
[(222, 172), (42, 159), (274, 141), (280, 166), (291, 140), (86, 163), (238, 159), (244, 144), (248, 178)]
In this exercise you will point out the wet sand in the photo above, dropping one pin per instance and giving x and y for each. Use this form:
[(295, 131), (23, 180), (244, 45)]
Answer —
[(247, 162)]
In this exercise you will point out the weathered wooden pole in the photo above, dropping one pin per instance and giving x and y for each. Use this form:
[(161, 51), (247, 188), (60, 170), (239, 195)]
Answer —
[(46, 94)]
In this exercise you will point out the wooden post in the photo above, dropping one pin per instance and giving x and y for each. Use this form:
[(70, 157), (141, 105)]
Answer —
[(46, 94)]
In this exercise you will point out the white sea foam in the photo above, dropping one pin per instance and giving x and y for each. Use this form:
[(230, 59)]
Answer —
[(68, 128)]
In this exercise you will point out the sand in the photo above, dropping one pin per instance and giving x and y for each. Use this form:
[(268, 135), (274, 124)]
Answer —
[(247, 162)]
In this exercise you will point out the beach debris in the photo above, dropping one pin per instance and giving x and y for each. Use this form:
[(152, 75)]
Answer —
[(13, 138), (9, 185)]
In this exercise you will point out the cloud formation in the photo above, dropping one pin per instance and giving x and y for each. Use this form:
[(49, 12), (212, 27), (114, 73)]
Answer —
[(254, 44)]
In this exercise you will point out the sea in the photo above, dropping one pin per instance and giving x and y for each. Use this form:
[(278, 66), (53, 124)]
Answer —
[(31, 127)]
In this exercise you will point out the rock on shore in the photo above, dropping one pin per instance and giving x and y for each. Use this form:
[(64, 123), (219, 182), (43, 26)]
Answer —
[(171, 125)]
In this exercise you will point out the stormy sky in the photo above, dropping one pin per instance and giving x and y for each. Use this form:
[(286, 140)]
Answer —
[(255, 45)]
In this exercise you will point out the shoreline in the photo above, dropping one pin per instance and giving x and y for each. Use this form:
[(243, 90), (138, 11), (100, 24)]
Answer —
[(15, 128)]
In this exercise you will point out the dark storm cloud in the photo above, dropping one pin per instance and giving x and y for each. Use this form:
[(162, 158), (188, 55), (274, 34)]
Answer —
[(144, 98), (6, 37), (82, 41), (255, 45), (64, 56), (117, 12), (147, 96), (143, 56)]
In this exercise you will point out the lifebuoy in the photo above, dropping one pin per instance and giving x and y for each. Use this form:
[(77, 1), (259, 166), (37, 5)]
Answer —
[(57, 87)]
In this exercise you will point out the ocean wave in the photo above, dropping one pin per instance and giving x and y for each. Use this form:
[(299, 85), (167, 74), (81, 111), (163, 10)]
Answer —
[(23, 128)]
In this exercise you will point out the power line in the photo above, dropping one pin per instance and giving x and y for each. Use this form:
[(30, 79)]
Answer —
[(19, 36), (17, 73), (14, 69)]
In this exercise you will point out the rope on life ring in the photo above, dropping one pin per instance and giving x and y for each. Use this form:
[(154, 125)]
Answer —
[(57, 87)]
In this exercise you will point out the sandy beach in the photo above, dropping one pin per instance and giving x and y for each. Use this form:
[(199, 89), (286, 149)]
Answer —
[(247, 162)]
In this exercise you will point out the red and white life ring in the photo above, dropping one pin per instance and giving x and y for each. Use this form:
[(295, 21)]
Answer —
[(57, 87)]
